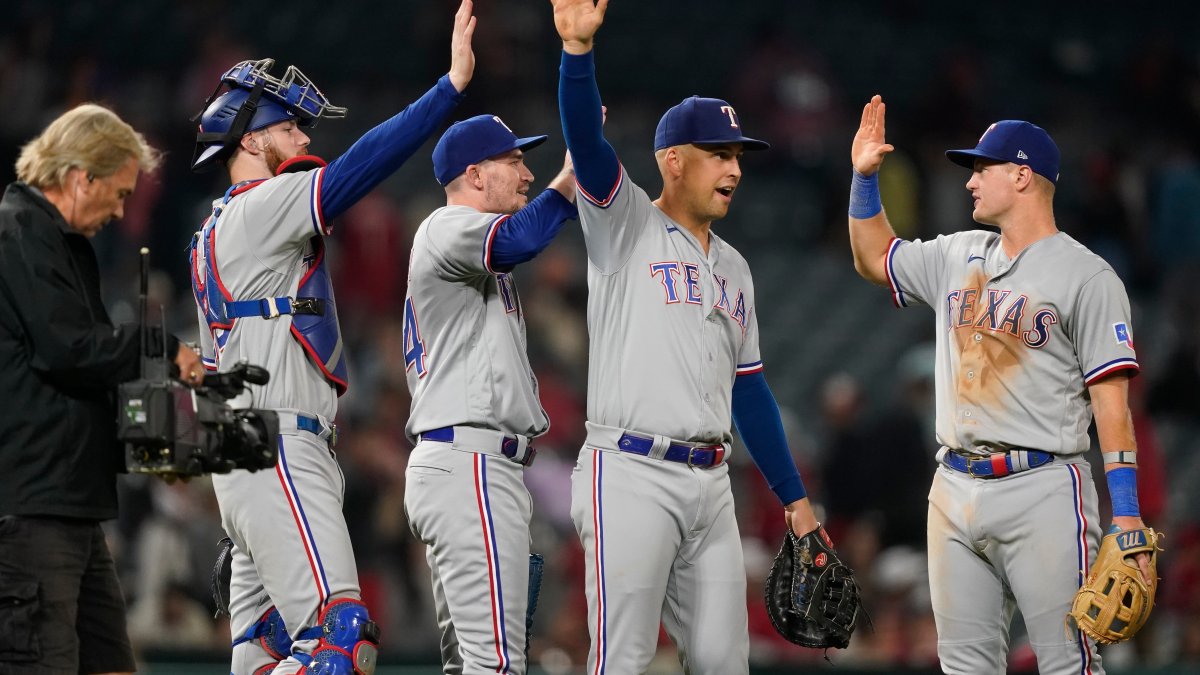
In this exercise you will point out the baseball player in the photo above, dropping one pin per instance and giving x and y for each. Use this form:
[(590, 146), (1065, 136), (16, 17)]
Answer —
[(673, 346), (475, 407), (263, 295), (1033, 338)]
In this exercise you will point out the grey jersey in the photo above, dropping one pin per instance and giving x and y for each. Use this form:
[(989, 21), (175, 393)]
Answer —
[(464, 331), (1019, 339), (670, 327), (262, 245)]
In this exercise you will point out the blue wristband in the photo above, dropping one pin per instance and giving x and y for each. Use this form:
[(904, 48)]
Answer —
[(1122, 488), (864, 196)]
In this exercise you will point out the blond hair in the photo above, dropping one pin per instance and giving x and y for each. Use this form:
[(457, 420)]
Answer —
[(88, 137)]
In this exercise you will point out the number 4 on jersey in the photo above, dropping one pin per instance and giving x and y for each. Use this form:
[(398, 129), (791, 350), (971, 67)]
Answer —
[(414, 347)]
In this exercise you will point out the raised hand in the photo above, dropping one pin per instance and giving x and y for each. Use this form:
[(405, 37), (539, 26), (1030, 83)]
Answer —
[(462, 57), (869, 146), (577, 22)]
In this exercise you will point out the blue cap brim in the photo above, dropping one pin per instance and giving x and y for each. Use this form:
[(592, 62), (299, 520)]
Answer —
[(747, 143), (966, 158), (529, 142)]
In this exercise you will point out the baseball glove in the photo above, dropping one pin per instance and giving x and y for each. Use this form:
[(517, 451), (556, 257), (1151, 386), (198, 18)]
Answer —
[(222, 572), (1115, 602), (812, 597)]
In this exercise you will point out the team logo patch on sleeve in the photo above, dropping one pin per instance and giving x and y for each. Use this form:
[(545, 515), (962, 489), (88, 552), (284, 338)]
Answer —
[(1124, 337)]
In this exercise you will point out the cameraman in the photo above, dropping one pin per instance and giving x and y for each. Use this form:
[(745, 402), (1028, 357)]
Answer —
[(61, 358)]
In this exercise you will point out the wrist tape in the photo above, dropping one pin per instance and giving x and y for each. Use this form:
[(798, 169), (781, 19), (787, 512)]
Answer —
[(864, 196), (1122, 489)]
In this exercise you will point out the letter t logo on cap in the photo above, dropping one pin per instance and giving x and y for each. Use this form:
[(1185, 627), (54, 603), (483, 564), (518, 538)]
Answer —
[(728, 110), (501, 123)]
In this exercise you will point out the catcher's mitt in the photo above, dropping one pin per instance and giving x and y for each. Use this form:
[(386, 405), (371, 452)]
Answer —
[(1115, 602), (812, 597), (222, 572)]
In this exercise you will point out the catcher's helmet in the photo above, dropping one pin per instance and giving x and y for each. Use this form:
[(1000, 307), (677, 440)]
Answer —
[(255, 100)]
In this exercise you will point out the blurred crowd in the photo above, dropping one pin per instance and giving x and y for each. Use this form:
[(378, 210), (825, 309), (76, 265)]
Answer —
[(853, 376)]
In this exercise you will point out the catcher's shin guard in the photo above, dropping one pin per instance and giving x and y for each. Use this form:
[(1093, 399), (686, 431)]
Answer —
[(270, 634), (349, 641)]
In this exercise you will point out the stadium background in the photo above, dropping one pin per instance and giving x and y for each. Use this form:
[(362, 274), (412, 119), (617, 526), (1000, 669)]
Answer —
[(1117, 86)]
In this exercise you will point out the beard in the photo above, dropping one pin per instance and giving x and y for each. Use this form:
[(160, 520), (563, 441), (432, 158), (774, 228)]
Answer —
[(274, 158)]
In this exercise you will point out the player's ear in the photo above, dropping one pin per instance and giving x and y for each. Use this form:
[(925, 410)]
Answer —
[(248, 144), (1023, 177), (675, 160), (475, 176)]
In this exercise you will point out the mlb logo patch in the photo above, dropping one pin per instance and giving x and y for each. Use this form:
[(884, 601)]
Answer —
[(1123, 335)]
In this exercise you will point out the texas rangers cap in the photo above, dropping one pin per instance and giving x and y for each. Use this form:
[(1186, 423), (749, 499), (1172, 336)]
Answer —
[(1017, 142), (473, 140), (702, 121)]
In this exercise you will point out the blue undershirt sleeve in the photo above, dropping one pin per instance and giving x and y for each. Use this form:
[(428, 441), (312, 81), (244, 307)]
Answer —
[(531, 229), (597, 168), (756, 416), (380, 151)]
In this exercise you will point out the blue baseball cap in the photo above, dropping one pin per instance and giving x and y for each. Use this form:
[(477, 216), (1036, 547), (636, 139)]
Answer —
[(1017, 142), (702, 121), (473, 140)]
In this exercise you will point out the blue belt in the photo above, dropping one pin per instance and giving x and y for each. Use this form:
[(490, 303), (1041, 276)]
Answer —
[(314, 426), (997, 464), (508, 447), (704, 457)]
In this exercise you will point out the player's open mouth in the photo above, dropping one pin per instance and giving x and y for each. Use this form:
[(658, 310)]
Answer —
[(726, 191)]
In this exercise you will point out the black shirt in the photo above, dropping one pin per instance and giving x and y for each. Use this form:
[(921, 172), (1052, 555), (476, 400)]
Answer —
[(60, 361)]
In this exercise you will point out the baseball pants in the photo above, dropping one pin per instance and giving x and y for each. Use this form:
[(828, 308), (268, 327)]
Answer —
[(472, 511), (291, 546), (664, 535), (1023, 541)]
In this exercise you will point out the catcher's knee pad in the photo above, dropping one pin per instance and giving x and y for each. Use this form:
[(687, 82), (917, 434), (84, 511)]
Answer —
[(349, 642), (270, 634)]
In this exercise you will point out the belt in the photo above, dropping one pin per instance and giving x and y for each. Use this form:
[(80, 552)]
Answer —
[(705, 457), (509, 446), (995, 465), (316, 427)]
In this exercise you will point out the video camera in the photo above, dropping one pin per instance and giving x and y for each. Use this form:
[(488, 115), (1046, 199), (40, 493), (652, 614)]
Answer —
[(170, 429)]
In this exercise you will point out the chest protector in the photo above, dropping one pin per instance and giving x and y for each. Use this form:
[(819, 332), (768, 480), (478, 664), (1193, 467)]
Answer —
[(313, 311)]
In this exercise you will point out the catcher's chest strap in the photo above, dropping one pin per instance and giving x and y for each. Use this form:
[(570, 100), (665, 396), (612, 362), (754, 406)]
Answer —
[(995, 465), (272, 308)]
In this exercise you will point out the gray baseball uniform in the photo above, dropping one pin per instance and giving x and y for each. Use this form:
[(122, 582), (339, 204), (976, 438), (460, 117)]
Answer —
[(475, 409), (670, 328), (286, 523), (1018, 342)]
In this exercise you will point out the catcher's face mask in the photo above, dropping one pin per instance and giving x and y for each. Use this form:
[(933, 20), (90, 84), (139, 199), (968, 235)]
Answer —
[(255, 100)]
